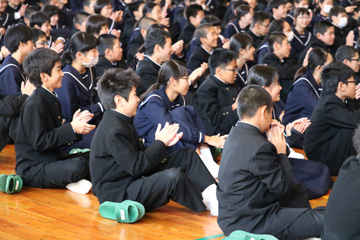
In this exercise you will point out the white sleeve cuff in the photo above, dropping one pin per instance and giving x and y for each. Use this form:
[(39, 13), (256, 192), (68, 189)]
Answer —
[(17, 15)]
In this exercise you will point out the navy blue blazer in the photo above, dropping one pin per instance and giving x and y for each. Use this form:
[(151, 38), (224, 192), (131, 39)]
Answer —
[(11, 76), (302, 98), (157, 108), (299, 42), (78, 92)]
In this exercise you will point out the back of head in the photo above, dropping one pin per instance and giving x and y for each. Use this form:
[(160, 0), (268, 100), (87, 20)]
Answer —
[(221, 58), (240, 41), (134, 6), (95, 22), (79, 42), (212, 20), (317, 57), (80, 18), (250, 99), (192, 10), (50, 10), (154, 37), (321, 27), (275, 4), (262, 75), (100, 4), (259, 17), (345, 52), (106, 41), (113, 82), (334, 73), (37, 33), (335, 11), (15, 35), (145, 23), (276, 26), (38, 18), (148, 7), (201, 32), (41, 60), (242, 10), (29, 11), (275, 37)]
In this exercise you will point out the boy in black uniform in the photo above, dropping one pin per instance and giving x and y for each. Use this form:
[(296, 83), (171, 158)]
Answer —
[(120, 166), (41, 131)]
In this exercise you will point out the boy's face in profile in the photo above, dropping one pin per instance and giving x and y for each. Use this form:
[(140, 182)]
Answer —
[(285, 48), (228, 73), (350, 88), (211, 38), (41, 42), (328, 37), (130, 106), (197, 19), (116, 51), (280, 12), (104, 29), (54, 81)]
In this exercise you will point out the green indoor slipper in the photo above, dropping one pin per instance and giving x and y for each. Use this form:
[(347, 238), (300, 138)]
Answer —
[(10, 183), (79, 150), (242, 235), (125, 212)]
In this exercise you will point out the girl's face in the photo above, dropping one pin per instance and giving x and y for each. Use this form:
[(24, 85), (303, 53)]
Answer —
[(302, 20), (303, 3), (3, 5), (107, 10), (54, 19), (155, 14), (181, 85), (104, 29), (248, 53), (274, 90)]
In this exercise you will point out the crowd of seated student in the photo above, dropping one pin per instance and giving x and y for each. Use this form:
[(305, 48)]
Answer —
[(214, 43)]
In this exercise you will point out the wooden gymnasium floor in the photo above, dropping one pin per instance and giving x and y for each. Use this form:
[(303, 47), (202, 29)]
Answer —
[(61, 214)]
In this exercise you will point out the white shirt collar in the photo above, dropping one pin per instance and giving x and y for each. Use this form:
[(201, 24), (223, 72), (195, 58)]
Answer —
[(52, 93), (207, 50), (220, 80), (153, 60)]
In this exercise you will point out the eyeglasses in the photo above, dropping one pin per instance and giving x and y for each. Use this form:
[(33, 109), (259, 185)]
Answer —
[(355, 59), (346, 82), (266, 26), (235, 70), (40, 44)]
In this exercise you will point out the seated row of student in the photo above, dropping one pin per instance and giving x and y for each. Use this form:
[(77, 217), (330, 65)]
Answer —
[(145, 175), (305, 91), (215, 98), (164, 102), (278, 57), (328, 138), (244, 15), (258, 173), (341, 214), (18, 40), (10, 107), (42, 131)]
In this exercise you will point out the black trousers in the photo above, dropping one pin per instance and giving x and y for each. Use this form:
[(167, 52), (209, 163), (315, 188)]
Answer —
[(309, 224), (181, 177), (60, 173)]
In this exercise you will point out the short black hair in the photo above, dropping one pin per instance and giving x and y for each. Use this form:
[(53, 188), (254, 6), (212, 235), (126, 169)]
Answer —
[(145, 22), (335, 11), (192, 11), (37, 33), (100, 4), (301, 11), (259, 17), (242, 10), (134, 6), (116, 81), (95, 22), (275, 37), (344, 52), (334, 73), (80, 17), (211, 19), (148, 7), (321, 27), (201, 32), (38, 18), (262, 75), (15, 35), (275, 4), (276, 26), (154, 37), (50, 10), (240, 41), (221, 58), (29, 11), (250, 99), (41, 60), (106, 41)]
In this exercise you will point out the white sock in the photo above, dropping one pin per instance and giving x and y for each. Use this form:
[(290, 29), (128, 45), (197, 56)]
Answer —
[(83, 186), (210, 165), (210, 200)]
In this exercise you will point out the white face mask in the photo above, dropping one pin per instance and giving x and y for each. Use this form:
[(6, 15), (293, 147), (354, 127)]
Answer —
[(327, 8), (343, 22), (93, 62), (290, 36)]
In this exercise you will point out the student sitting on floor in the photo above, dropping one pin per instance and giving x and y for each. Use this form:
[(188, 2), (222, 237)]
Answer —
[(341, 219), (122, 168), (328, 138), (256, 190), (164, 102), (215, 99), (41, 131), (305, 91), (18, 40), (110, 53)]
